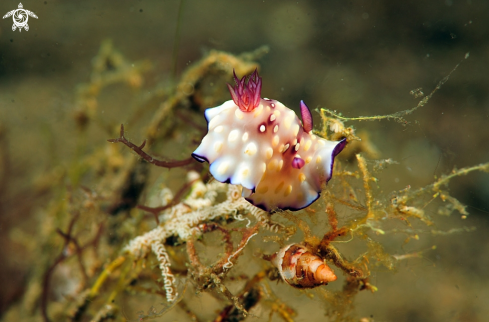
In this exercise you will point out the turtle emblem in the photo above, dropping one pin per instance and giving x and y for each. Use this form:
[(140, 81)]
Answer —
[(20, 16)]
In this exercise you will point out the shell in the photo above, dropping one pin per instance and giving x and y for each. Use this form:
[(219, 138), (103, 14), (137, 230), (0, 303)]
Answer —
[(300, 268), (264, 148)]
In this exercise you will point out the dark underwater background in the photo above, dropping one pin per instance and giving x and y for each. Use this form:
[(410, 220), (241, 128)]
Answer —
[(359, 58)]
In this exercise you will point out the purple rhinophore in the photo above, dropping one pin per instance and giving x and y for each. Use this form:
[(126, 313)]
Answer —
[(306, 117)]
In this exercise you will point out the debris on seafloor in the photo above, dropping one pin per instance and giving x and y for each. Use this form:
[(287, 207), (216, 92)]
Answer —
[(115, 248)]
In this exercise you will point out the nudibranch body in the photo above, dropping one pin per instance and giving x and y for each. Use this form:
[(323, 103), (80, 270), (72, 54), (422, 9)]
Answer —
[(262, 145)]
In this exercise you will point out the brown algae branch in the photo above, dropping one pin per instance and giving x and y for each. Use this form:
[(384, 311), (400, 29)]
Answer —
[(444, 180), (147, 157), (155, 211), (464, 171), (398, 116), (94, 291), (63, 256), (362, 165)]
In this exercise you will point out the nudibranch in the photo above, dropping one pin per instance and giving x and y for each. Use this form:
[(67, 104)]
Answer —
[(300, 268), (262, 145)]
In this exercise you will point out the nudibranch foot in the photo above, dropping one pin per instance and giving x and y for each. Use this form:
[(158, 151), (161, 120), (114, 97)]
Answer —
[(262, 145)]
